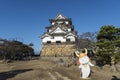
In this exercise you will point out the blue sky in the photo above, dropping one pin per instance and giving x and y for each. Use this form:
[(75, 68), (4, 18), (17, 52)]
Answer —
[(25, 20)]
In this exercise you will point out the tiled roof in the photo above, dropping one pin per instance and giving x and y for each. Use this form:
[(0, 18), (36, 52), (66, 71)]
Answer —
[(63, 26)]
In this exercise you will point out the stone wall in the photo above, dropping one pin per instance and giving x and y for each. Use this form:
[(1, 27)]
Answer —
[(58, 50)]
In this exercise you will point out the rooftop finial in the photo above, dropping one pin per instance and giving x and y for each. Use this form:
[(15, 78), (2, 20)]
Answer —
[(60, 16)]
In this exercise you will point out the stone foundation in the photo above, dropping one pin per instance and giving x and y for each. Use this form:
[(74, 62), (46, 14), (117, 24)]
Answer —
[(58, 50)]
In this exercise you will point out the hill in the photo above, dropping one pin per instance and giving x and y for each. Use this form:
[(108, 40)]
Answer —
[(49, 69)]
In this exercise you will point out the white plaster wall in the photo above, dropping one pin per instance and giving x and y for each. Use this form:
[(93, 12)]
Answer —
[(53, 23), (69, 30), (66, 22), (57, 38), (60, 22), (50, 30), (58, 30), (44, 40), (71, 38)]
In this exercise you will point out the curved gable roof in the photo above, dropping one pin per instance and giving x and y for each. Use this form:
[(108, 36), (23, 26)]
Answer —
[(60, 16)]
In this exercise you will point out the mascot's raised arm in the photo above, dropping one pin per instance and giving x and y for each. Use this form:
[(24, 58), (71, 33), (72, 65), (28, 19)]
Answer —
[(81, 54), (84, 63)]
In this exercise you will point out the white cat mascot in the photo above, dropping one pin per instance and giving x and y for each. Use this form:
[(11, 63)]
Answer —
[(84, 64)]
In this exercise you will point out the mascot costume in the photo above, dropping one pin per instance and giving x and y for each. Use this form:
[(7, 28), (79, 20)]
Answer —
[(84, 64)]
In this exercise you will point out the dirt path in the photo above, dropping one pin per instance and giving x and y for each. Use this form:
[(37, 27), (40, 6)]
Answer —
[(47, 70)]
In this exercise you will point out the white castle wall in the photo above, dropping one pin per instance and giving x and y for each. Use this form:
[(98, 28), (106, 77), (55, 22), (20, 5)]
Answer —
[(58, 38)]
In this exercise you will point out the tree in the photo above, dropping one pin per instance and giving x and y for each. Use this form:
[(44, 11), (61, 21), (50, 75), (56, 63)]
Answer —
[(14, 50), (108, 40)]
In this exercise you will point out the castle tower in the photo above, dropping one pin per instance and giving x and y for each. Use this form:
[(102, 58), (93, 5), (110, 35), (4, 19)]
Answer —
[(60, 37)]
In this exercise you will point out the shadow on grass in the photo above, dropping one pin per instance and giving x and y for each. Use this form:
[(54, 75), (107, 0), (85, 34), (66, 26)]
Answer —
[(115, 78), (10, 74)]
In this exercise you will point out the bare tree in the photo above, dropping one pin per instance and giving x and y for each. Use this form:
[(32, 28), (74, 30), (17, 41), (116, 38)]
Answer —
[(87, 40)]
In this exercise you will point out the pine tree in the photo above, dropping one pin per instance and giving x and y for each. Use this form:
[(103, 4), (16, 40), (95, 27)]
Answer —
[(108, 42)]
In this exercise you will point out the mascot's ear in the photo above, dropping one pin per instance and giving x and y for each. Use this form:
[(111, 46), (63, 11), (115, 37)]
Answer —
[(76, 52), (86, 51)]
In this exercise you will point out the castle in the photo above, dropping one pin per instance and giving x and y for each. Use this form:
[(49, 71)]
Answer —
[(60, 37)]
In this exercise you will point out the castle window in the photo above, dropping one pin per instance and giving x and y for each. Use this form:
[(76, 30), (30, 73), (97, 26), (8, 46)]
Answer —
[(58, 41), (68, 40), (48, 42), (72, 29), (52, 37)]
